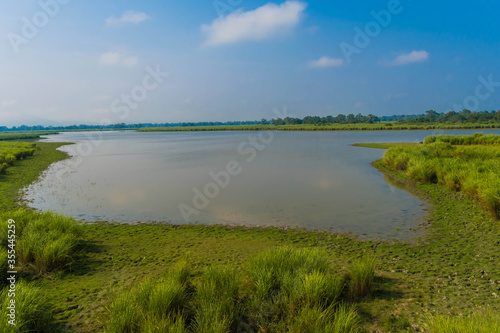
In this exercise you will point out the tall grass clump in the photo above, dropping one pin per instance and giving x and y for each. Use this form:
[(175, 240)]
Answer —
[(361, 274), (44, 241), (33, 312), (307, 296), (341, 319), (216, 298), (153, 306), (315, 289), (477, 323), (294, 289), (470, 164), (271, 268)]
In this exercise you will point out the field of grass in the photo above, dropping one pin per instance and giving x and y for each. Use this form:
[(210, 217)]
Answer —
[(280, 290), (24, 136), (10, 152), (184, 277), (384, 126), (463, 167)]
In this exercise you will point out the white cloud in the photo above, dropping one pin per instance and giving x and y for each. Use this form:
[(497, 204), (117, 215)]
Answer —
[(130, 61), (113, 58), (109, 58), (326, 62), (410, 58), (258, 24), (128, 17)]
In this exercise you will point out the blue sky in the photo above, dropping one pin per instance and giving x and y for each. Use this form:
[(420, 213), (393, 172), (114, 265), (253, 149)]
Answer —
[(73, 61)]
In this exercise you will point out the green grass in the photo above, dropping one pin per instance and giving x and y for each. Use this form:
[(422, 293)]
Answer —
[(21, 136), (361, 274), (44, 241), (10, 152), (161, 303), (467, 168), (271, 270), (476, 323), (32, 311), (215, 300), (344, 319), (222, 299)]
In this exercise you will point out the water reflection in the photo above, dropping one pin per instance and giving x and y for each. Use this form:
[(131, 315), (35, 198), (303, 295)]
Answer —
[(305, 179)]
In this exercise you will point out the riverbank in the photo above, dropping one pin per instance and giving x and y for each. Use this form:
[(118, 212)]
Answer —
[(452, 270)]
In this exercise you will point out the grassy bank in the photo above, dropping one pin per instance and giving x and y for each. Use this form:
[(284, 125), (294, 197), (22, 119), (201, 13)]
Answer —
[(25, 172), (450, 273), (18, 136), (10, 152), (385, 126), (464, 167)]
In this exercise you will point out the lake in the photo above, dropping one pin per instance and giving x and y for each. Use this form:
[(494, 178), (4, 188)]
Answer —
[(314, 180)]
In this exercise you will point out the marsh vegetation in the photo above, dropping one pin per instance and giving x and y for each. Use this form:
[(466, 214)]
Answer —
[(466, 164)]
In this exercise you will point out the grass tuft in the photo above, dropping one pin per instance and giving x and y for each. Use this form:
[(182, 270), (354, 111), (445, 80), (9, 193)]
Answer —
[(361, 274), (32, 311), (216, 299)]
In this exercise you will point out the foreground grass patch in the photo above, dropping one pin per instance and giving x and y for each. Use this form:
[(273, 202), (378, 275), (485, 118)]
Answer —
[(476, 323), (44, 241), (153, 305), (288, 290), (32, 311)]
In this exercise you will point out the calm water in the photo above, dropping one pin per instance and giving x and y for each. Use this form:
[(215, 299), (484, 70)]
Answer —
[(309, 179)]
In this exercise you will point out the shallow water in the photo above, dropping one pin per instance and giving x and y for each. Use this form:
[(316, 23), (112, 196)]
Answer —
[(314, 180)]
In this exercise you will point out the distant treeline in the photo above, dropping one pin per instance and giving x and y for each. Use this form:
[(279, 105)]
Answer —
[(429, 117), (119, 126), (315, 120), (453, 117)]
